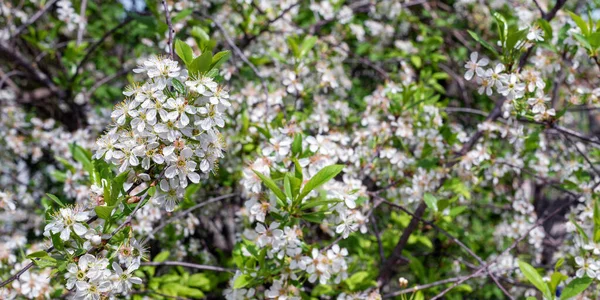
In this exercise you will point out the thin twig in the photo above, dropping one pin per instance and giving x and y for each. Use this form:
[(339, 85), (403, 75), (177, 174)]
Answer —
[(82, 21), (183, 213), (243, 57), (538, 223), (423, 286), (97, 44), (537, 4), (187, 265), (549, 16), (33, 18), (171, 30)]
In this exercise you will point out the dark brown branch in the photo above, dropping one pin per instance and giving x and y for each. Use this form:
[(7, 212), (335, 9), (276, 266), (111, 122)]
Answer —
[(33, 18), (387, 269), (14, 56), (171, 30)]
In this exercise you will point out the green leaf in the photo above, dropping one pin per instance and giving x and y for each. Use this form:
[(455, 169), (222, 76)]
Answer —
[(307, 44), (555, 280), (515, 37), (297, 144), (547, 29), (502, 26), (66, 164), (287, 187), (534, 277), (559, 263), (316, 217), (115, 188), (84, 157), (579, 230), (179, 87), (242, 281), (104, 212), (311, 204), (416, 61), (190, 292), (55, 199), (39, 254), (219, 58), (575, 287), (431, 201), (580, 23), (200, 280), (594, 40), (583, 40), (184, 51), (199, 33), (293, 44), (320, 178), (57, 242), (485, 44), (268, 182), (201, 64), (295, 185), (161, 256), (360, 281), (297, 169)]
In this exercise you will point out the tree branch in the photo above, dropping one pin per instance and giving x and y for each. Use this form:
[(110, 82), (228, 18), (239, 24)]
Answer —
[(187, 265), (171, 30)]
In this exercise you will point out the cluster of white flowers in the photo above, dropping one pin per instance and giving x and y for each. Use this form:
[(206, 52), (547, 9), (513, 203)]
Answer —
[(513, 86), (93, 279), (163, 131), (67, 14)]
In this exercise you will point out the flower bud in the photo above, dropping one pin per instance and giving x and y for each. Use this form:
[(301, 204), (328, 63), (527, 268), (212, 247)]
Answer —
[(402, 282), (96, 240)]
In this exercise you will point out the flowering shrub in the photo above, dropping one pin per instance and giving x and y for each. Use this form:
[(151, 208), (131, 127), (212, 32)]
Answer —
[(299, 150)]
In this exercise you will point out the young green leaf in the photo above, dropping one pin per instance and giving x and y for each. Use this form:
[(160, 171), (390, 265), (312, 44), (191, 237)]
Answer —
[(287, 187), (431, 201), (161, 256), (242, 281), (307, 44), (575, 287), (583, 26), (104, 212), (485, 44), (268, 182), (219, 58), (534, 277), (184, 51), (320, 178), (55, 199), (179, 87), (201, 64), (297, 144), (38, 254)]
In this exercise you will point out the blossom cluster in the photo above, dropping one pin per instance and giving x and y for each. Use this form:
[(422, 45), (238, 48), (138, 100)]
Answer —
[(167, 135), (514, 86)]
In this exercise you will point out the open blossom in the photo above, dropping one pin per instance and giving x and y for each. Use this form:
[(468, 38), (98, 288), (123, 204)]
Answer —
[(587, 267), (475, 66), (153, 129), (159, 67), (538, 103), (204, 85), (535, 34), (67, 220), (512, 88), (124, 279)]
